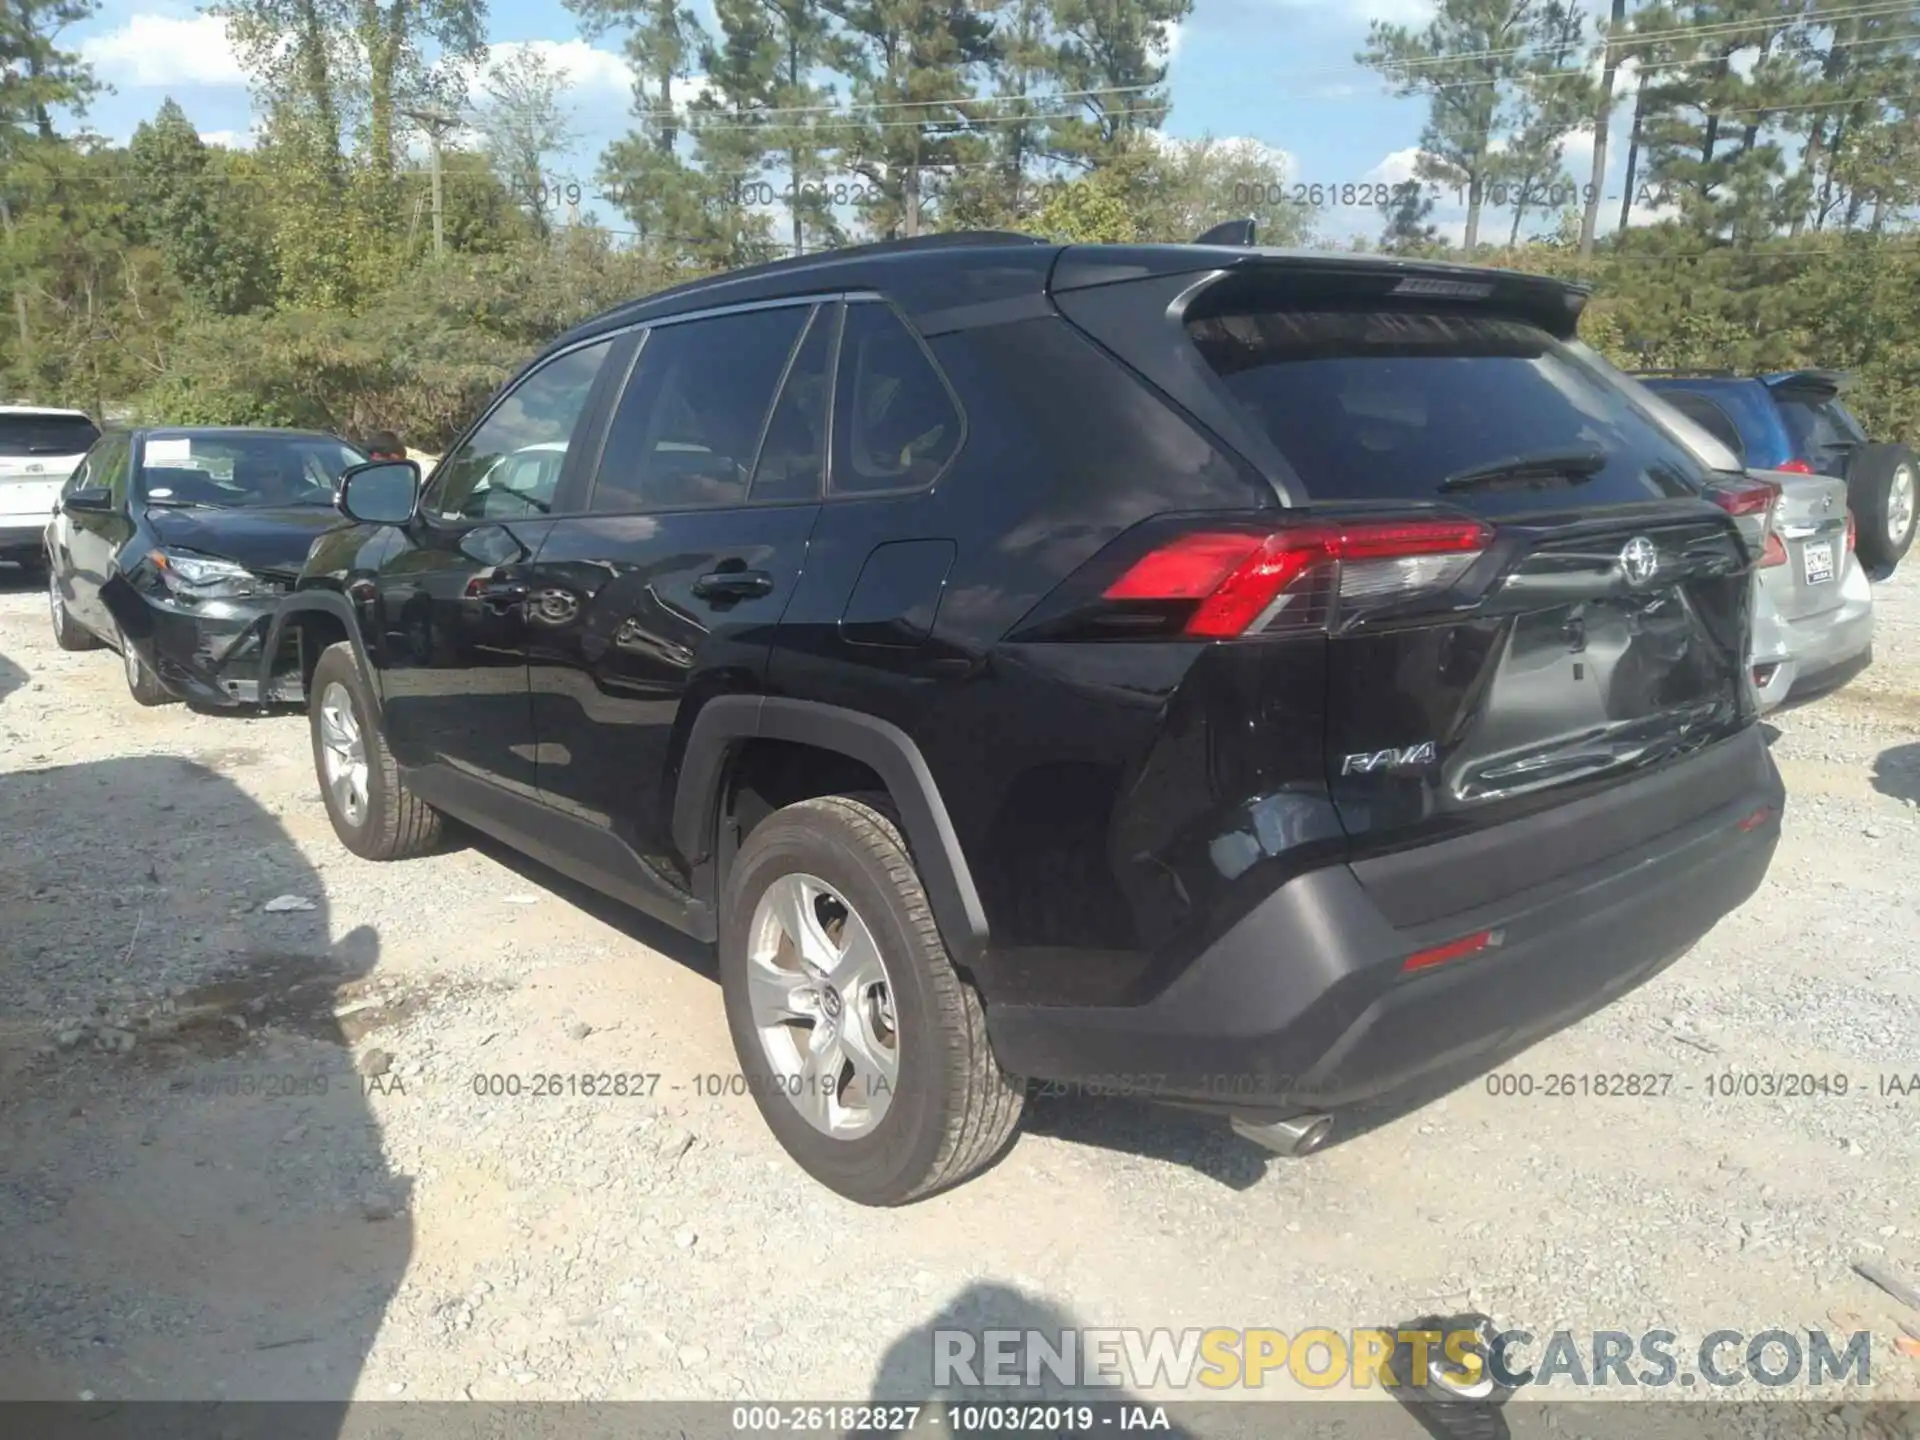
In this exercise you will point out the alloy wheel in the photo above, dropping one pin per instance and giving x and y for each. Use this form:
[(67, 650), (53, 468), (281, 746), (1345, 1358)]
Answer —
[(343, 755), (822, 1005), (1900, 505)]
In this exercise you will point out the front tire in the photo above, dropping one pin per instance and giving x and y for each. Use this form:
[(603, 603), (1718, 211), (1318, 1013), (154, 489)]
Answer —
[(142, 683), (1883, 489), (865, 1050), (373, 812), (68, 633)]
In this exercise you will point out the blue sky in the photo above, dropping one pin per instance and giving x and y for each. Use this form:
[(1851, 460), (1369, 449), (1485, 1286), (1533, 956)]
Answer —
[(1280, 72)]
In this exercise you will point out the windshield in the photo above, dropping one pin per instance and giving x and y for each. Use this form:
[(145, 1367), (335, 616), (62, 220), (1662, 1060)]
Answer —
[(1372, 404), (240, 471), (46, 434)]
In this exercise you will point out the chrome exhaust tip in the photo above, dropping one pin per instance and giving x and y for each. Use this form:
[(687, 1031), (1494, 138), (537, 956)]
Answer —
[(1300, 1135)]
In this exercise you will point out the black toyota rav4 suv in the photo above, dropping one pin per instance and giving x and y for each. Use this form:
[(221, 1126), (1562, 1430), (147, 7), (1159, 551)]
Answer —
[(1270, 683)]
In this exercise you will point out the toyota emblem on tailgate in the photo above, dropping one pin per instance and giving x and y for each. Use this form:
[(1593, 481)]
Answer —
[(1638, 560)]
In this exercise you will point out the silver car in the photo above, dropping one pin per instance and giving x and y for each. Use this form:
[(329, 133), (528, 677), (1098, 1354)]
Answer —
[(1813, 603)]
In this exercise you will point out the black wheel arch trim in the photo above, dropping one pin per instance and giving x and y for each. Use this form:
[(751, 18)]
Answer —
[(726, 721), (328, 602)]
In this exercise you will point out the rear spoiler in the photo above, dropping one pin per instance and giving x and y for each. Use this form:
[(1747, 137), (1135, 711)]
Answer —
[(1827, 383), (1554, 305)]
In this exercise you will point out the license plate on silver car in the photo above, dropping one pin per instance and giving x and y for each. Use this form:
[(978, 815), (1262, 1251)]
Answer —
[(1818, 558)]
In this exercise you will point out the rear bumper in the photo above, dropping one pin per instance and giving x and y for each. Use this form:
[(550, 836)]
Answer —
[(1304, 1007), (1832, 647), (209, 652)]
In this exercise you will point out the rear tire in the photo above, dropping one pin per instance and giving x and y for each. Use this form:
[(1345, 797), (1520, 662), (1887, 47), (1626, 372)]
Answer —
[(949, 1109), (142, 683), (373, 812), (68, 633), (1883, 491)]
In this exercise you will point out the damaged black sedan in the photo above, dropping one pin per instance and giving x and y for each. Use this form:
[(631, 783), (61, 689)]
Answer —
[(173, 545)]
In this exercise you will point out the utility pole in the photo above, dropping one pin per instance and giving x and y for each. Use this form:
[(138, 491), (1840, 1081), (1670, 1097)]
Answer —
[(436, 123)]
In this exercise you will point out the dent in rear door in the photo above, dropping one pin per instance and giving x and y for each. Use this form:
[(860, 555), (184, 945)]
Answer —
[(669, 592)]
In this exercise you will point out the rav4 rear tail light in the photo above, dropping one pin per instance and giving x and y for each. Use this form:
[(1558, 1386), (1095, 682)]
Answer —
[(1752, 504), (1851, 535), (1796, 467), (1244, 582)]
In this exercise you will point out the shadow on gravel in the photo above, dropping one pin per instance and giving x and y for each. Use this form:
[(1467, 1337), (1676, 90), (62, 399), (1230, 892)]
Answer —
[(195, 1204), (12, 677), (636, 925), (17, 578), (909, 1372), (1897, 772)]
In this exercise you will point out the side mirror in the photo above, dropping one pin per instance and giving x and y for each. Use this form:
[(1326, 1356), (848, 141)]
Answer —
[(90, 500), (382, 492)]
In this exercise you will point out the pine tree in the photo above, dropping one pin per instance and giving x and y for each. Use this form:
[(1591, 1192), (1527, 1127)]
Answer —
[(663, 196), (1409, 227), (187, 214), (761, 115), (1111, 60), (913, 66), (1550, 99), (1467, 61), (1704, 119), (37, 77)]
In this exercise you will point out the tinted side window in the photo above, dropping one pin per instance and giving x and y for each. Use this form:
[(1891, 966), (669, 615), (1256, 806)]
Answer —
[(1372, 404), (793, 458), (689, 422), (895, 421), (116, 465), (83, 472), (1709, 415), (511, 465)]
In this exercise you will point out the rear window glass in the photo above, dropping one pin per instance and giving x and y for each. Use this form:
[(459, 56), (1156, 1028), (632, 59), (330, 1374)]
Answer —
[(46, 434), (1391, 405), (1822, 431)]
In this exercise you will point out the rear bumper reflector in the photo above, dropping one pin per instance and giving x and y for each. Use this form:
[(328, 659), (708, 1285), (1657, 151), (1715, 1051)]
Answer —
[(1453, 950)]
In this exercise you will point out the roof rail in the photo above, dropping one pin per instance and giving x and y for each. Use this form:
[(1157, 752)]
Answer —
[(1689, 373), (939, 240), (1228, 232)]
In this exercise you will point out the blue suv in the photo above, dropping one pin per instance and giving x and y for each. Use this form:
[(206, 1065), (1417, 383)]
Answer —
[(1794, 421)]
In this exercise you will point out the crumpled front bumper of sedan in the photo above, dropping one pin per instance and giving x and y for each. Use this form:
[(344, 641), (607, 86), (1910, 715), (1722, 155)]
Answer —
[(208, 651)]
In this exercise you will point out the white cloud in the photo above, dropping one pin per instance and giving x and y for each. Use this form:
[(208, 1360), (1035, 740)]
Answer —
[(163, 50), (589, 69), (1176, 31), (1396, 168), (228, 139)]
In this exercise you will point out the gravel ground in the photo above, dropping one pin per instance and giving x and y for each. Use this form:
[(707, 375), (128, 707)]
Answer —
[(245, 1155)]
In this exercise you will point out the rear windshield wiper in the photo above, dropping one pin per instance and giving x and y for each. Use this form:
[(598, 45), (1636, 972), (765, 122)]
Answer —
[(1539, 470)]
